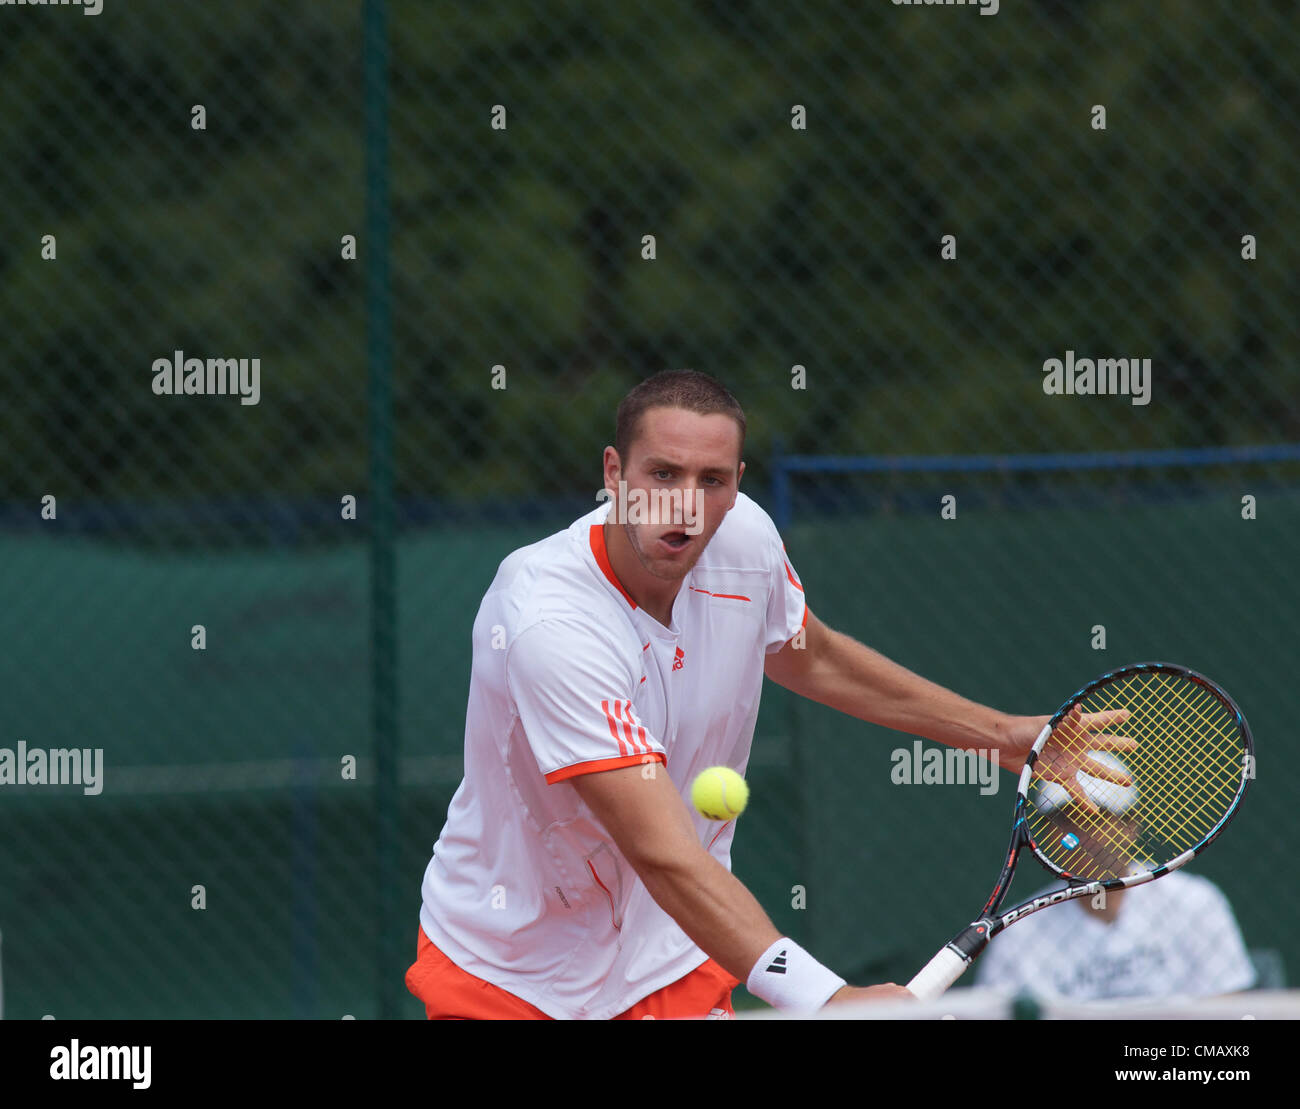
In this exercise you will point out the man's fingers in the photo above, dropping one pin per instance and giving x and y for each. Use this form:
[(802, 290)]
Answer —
[(1105, 773), (1063, 767), (1076, 724), (1105, 719), (1070, 730), (1078, 727), (1077, 794), (1111, 742)]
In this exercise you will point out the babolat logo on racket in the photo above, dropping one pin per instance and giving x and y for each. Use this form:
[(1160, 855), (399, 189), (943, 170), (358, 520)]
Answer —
[(1038, 903), (777, 965)]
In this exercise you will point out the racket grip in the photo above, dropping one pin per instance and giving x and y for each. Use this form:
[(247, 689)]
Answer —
[(939, 973)]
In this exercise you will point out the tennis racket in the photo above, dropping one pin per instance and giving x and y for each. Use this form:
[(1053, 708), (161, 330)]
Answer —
[(1112, 809)]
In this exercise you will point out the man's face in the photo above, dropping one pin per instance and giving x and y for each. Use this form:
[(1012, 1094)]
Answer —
[(680, 479)]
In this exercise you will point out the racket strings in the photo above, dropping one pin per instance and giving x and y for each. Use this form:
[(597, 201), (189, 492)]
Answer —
[(1185, 797), (1202, 790), (1186, 771), (1177, 793), (1179, 802), (1171, 803)]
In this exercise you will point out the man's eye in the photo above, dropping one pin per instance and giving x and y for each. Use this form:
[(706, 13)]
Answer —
[(663, 475)]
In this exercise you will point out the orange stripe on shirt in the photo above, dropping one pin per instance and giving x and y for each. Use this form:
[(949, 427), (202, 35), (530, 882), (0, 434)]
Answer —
[(602, 885), (640, 742), (723, 596), (595, 766), (627, 725), (640, 729), (613, 728), (790, 574)]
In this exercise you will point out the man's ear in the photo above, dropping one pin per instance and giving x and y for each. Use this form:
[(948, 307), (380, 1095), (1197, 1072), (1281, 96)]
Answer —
[(739, 474), (611, 468)]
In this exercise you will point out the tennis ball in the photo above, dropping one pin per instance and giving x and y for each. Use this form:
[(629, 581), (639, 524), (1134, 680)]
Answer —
[(719, 793)]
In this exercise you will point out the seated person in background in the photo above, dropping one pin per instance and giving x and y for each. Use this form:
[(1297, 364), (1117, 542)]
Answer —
[(1175, 936)]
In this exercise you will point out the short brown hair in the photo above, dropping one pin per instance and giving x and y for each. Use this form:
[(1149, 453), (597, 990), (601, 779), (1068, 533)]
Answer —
[(689, 389)]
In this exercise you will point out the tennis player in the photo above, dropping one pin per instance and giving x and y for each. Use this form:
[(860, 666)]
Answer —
[(612, 662)]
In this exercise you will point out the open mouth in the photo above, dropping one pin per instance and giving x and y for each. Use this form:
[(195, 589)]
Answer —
[(675, 540)]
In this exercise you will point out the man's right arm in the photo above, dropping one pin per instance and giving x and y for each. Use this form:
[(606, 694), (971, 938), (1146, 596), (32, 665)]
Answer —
[(645, 816)]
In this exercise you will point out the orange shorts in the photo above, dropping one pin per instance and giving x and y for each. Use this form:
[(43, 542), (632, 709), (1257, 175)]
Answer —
[(450, 993)]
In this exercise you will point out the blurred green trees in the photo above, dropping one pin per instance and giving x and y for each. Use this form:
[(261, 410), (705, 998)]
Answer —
[(522, 246)]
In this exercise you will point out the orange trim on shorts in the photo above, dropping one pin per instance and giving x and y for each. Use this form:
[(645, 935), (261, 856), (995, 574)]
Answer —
[(703, 994), (450, 993), (595, 766)]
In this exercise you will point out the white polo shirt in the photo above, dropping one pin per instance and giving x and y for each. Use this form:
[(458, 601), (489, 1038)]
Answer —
[(1174, 937), (525, 889)]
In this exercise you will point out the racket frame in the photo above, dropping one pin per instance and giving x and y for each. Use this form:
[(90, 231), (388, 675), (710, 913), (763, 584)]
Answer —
[(956, 955)]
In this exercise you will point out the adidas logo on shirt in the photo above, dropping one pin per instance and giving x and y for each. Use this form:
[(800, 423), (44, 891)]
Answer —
[(680, 660)]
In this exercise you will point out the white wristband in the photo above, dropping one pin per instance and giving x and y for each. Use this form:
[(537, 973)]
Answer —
[(790, 979)]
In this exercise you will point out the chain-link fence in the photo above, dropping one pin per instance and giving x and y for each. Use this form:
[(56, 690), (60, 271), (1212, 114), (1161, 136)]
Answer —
[(309, 314)]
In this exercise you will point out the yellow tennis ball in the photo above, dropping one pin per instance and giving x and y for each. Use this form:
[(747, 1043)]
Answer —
[(719, 793)]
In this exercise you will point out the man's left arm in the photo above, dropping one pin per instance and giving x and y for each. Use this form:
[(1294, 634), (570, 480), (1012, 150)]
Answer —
[(836, 670)]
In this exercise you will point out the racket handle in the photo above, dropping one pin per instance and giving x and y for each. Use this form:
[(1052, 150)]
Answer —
[(939, 973)]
